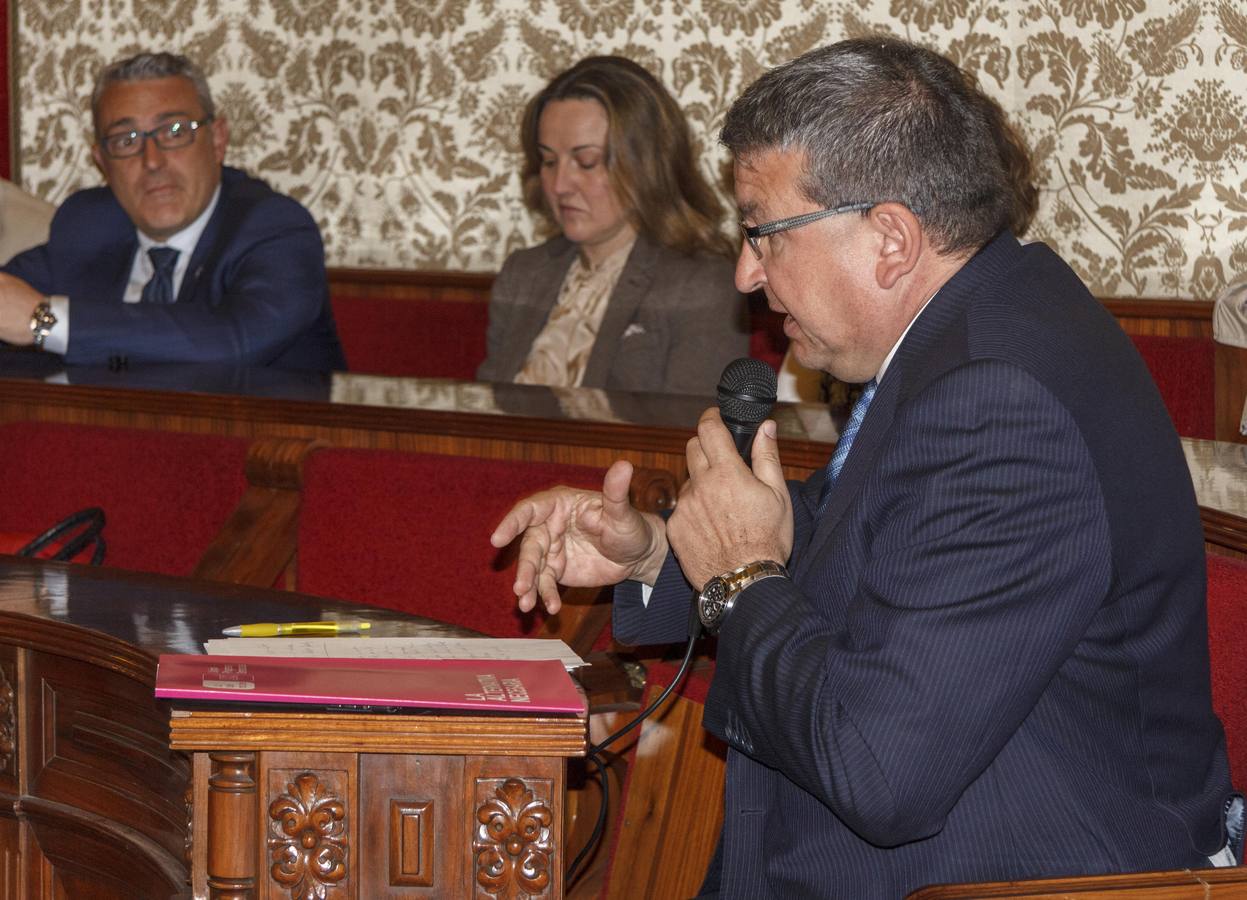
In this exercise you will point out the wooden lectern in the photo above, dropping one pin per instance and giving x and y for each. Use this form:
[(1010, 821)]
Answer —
[(289, 804), (99, 798)]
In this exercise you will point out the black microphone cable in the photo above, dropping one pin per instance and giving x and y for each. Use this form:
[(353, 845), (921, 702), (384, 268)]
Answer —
[(746, 394), (595, 751)]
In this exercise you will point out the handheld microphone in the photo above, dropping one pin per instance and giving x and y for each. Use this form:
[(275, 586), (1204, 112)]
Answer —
[(746, 395)]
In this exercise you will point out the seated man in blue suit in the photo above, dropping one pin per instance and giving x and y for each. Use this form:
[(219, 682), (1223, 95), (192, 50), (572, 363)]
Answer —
[(178, 259), (974, 648)]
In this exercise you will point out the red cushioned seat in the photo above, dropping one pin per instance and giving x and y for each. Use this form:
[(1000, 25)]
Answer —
[(1227, 627), (165, 495), (1184, 371), (410, 531), (413, 338)]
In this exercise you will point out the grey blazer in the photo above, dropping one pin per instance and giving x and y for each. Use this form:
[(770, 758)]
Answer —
[(672, 324)]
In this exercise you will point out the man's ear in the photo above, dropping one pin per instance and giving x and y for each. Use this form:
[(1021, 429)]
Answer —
[(901, 242), (220, 138), (98, 156)]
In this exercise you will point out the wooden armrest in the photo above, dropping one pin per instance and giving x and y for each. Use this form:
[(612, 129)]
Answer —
[(1170, 885), (258, 541)]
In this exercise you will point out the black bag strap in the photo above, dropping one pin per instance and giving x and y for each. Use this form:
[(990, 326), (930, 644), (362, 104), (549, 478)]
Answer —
[(90, 520)]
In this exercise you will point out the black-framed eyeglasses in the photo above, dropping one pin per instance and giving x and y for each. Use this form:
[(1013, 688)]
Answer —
[(754, 232), (171, 135)]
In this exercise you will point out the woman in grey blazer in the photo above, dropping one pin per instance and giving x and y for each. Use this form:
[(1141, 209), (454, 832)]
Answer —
[(636, 291)]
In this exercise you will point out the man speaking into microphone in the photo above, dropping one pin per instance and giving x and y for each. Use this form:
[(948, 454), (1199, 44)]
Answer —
[(974, 647)]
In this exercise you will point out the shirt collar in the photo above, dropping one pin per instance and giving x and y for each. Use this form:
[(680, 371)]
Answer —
[(887, 360)]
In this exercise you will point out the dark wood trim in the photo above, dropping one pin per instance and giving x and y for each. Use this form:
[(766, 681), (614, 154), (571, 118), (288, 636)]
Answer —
[(1194, 316), (510, 436), (1158, 308), (412, 278), (1224, 532)]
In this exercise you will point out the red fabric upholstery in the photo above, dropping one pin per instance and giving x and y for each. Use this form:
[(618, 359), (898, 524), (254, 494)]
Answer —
[(1227, 627), (767, 340), (410, 531), (1184, 371), (414, 338), (165, 496)]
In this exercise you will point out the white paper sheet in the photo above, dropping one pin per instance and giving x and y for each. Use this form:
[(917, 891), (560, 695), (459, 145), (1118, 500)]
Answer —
[(398, 648)]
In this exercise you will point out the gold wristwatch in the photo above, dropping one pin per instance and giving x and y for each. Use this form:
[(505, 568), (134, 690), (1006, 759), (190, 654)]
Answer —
[(41, 321), (717, 598)]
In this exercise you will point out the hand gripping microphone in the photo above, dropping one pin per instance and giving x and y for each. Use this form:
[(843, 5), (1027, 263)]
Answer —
[(746, 395)]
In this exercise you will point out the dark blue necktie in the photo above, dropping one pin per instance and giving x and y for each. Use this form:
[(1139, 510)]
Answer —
[(836, 463), (159, 288)]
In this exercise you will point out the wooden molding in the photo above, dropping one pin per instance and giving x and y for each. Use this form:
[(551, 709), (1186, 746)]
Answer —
[(358, 733), (1171, 885)]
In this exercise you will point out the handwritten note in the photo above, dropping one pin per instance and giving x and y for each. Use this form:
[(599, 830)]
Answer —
[(398, 648)]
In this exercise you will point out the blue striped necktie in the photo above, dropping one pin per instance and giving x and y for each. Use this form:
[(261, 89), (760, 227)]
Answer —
[(159, 288), (836, 463)]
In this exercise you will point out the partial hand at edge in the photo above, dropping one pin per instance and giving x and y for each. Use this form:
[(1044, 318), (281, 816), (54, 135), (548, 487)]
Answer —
[(17, 302), (727, 515), (581, 539)]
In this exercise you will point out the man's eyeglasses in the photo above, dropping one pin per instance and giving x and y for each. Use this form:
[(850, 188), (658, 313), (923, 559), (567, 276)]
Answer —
[(171, 135), (754, 232)]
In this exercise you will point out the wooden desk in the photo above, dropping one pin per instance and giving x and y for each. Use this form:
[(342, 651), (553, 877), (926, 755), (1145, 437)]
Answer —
[(95, 802)]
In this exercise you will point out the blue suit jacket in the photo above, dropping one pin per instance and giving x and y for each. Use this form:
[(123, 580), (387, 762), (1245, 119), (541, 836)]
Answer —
[(991, 661), (254, 294)]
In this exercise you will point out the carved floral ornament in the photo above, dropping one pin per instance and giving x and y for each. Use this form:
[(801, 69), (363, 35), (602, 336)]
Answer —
[(8, 723), (308, 839), (395, 121), (513, 841)]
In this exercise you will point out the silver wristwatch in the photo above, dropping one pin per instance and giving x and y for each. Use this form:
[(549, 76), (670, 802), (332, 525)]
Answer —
[(41, 321), (717, 598)]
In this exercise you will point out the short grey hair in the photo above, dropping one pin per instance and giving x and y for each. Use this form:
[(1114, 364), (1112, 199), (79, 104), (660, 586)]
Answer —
[(880, 119), (148, 67)]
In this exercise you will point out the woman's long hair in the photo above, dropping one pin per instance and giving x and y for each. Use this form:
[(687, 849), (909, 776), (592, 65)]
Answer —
[(649, 154)]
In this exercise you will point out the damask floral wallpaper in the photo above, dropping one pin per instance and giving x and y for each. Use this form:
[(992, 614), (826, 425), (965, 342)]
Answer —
[(395, 121)]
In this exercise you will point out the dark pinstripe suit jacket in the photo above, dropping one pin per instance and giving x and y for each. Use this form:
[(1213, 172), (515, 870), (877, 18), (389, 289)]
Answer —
[(991, 660), (671, 325)]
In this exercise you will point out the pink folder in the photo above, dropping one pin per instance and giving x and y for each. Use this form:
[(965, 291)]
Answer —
[(516, 686)]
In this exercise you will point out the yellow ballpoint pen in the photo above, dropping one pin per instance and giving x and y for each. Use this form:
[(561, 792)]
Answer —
[(291, 629)]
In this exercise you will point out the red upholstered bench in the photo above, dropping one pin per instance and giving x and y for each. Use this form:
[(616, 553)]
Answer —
[(1227, 628), (414, 338), (410, 531), (1184, 371), (165, 495)]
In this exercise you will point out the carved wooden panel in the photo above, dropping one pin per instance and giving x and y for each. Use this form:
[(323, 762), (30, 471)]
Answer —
[(412, 811), (412, 827), (9, 736), (100, 744), (515, 805), (513, 841), (10, 858), (311, 834)]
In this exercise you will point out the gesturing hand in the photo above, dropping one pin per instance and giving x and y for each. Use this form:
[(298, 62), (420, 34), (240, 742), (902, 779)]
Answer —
[(581, 539), (727, 515)]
